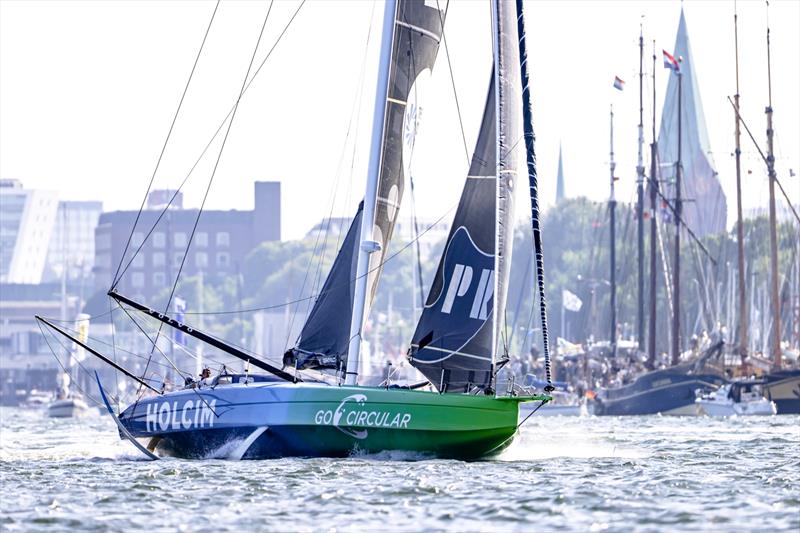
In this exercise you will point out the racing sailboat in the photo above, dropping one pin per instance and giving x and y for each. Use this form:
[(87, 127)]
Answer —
[(294, 410)]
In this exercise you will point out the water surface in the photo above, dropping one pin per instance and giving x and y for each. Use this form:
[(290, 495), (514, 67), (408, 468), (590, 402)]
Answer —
[(568, 474)]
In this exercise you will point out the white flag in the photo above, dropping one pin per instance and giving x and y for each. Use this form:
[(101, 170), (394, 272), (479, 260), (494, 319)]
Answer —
[(570, 301)]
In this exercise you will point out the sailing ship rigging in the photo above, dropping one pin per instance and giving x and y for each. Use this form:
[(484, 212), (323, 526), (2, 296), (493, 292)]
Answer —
[(298, 409)]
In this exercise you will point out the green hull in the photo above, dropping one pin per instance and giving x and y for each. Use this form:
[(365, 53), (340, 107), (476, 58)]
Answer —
[(317, 420)]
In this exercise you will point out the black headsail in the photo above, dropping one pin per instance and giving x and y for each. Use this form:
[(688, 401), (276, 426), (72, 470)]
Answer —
[(458, 334), (323, 339), (417, 32)]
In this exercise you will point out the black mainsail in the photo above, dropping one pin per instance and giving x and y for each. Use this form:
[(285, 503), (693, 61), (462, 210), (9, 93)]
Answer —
[(417, 31), (457, 337)]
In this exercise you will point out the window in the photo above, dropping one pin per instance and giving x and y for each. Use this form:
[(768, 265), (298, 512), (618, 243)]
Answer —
[(177, 258), (201, 239), (138, 260), (201, 260), (137, 239), (223, 259), (158, 259), (179, 239), (159, 239), (159, 279), (103, 241), (223, 238), (137, 280)]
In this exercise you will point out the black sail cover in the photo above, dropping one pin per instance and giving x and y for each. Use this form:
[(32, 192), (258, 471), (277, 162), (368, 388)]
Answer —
[(456, 338), (417, 33)]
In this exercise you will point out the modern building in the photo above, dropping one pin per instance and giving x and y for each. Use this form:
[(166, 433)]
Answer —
[(158, 244), (27, 219), (72, 241)]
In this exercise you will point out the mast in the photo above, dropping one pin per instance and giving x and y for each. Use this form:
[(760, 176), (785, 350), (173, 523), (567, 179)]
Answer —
[(775, 346), (676, 274), (743, 318), (640, 204), (612, 204), (651, 340), (367, 243)]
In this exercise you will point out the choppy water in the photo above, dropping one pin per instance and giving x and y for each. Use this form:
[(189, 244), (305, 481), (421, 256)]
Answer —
[(567, 474)]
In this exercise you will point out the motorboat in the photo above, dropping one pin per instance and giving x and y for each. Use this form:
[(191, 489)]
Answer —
[(740, 398)]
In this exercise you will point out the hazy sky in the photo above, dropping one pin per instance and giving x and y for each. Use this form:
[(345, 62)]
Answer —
[(88, 91)]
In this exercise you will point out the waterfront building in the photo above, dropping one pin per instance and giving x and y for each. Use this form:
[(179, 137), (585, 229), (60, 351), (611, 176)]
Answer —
[(27, 218), (72, 241), (221, 242)]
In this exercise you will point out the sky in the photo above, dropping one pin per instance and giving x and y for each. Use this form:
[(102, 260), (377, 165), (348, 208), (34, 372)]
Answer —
[(88, 91)]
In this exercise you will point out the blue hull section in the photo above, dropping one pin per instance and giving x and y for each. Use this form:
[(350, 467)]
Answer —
[(269, 420), (669, 391)]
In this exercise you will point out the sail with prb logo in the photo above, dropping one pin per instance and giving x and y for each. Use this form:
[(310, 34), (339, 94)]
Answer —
[(457, 336)]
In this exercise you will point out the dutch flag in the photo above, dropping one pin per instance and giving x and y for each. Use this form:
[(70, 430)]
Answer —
[(670, 61), (618, 83)]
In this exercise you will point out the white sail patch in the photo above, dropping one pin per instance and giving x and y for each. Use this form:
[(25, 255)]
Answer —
[(167, 416), (459, 286), (412, 117)]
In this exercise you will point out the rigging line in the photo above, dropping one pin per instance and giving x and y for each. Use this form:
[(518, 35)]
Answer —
[(220, 340), (683, 223), (339, 168), (167, 358), (113, 347), (210, 181), (452, 78), (410, 162), (60, 321), (214, 171), (98, 341), (763, 157), (155, 346), (164, 147), (379, 265), (418, 248), (50, 347), (213, 137), (532, 413)]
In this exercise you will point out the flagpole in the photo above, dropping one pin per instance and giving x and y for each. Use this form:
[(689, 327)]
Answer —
[(775, 345), (612, 203), (676, 284), (651, 340), (743, 318), (640, 204)]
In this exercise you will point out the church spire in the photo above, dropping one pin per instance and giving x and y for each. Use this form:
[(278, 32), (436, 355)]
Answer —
[(560, 179)]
